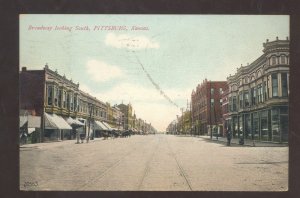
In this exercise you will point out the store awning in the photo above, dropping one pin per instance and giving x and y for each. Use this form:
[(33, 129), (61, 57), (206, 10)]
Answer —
[(99, 126), (53, 121), (23, 120), (107, 125), (32, 121), (74, 122)]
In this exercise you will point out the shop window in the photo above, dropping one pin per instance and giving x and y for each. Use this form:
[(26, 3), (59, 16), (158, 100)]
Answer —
[(264, 126), (247, 126), (235, 126), (284, 85), (284, 123), (255, 129), (241, 128), (275, 124), (50, 94), (274, 85)]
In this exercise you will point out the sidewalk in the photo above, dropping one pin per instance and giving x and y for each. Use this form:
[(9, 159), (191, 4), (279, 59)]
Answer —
[(246, 142)]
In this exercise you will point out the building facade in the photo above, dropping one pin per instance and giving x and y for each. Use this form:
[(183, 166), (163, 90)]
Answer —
[(258, 96), (64, 109), (206, 107), (127, 116)]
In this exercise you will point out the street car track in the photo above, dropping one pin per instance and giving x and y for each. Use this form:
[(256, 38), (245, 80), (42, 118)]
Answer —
[(114, 165), (180, 168), (148, 166)]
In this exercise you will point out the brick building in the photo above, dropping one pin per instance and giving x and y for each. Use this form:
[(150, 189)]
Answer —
[(206, 105), (64, 109)]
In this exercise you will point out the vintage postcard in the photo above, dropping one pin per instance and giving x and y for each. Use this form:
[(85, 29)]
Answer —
[(154, 102)]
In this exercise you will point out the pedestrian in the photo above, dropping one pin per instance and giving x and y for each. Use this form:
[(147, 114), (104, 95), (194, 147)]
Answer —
[(229, 136)]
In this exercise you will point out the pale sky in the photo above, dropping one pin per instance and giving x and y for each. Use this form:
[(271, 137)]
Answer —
[(177, 51)]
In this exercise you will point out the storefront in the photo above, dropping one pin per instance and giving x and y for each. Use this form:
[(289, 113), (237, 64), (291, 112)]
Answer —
[(270, 124), (55, 127)]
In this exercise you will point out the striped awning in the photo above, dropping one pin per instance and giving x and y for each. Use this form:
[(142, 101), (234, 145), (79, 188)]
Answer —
[(108, 126), (53, 121), (99, 126)]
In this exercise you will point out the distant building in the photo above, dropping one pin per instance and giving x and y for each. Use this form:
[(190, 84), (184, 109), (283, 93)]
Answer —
[(206, 107), (127, 116), (259, 94)]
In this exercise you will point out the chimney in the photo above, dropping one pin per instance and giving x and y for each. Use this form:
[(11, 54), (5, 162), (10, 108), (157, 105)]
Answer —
[(276, 38), (267, 40), (24, 69), (287, 38)]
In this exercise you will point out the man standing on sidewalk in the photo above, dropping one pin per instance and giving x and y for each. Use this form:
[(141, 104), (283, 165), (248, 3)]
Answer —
[(228, 136)]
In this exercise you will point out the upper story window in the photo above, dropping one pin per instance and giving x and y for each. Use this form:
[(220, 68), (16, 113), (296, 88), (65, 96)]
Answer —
[(230, 104), (234, 103), (241, 99), (253, 96), (284, 85), (212, 91), (56, 94), (49, 94), (75, 103), (265, 90), (65, 99), (259, 93), (71, 101), (212, 102), (246, 99), (274, 85), (68, 101), (273, 60), (282, 59), (59, 97), (221, 90)]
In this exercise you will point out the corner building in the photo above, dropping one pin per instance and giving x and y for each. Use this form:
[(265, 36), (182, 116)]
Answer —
[(258, 96)]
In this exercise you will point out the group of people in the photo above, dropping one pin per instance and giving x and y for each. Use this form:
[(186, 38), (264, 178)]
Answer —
[(229, 137)]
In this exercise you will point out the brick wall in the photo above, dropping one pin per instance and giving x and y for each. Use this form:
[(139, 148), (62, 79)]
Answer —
[(31, 93)]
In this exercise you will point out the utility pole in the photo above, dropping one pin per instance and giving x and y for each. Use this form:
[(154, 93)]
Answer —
[(210, 110)]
